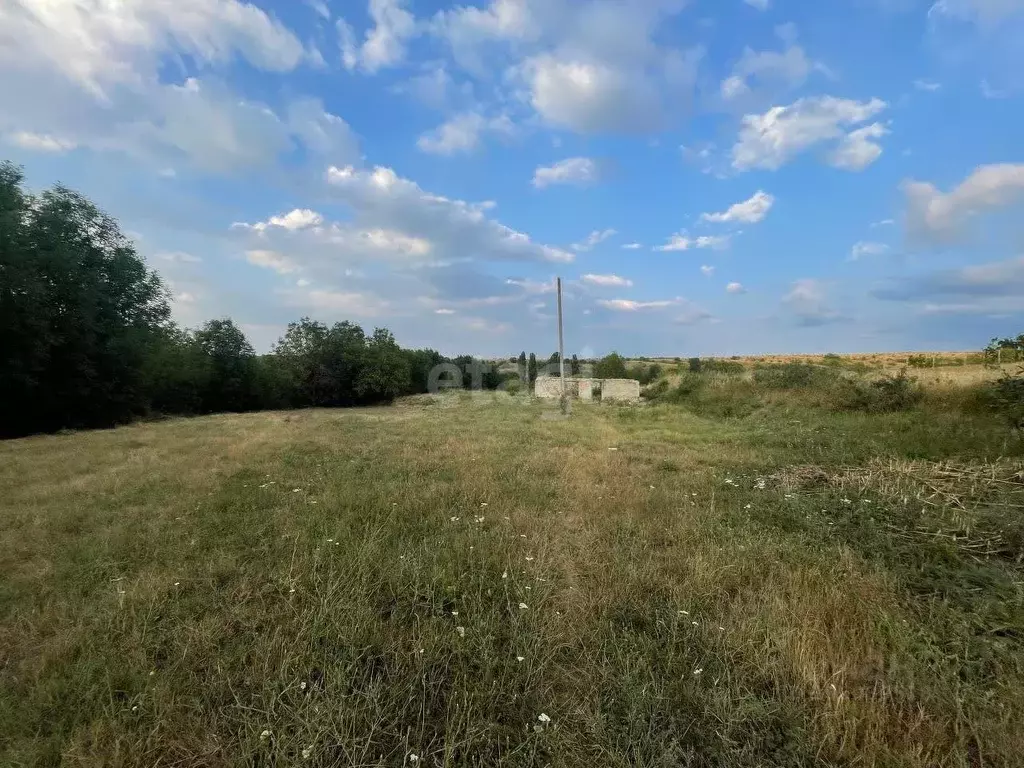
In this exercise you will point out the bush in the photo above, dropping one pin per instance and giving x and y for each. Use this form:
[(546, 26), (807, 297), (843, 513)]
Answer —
[(792, 376), (1006, 397), (647, 374), (885, 395), (695, 365), (728, 367)]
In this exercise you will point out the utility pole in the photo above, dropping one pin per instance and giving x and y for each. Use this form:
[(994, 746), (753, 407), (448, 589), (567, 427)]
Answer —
[(566, 405)]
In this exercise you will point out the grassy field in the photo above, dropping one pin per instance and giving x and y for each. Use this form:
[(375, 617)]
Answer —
[(469, 581)]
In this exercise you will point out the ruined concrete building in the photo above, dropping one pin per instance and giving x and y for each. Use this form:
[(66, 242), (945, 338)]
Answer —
[(589, 390)]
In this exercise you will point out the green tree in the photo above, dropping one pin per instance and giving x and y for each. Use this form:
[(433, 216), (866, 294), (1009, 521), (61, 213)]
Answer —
[(611, 367), (79, 313), (524, 372), (384, 372), (232, 381), (532, 369), (574, 366)]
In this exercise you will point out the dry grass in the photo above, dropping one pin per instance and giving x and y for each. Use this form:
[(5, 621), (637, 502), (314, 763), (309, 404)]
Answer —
[(288, 589)]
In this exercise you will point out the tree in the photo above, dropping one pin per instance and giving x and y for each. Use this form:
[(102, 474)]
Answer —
[(524, 372), (232, 381), (611, 367), (532, 369), (553, 365), (79, 313), (574, 366), (384, 373)]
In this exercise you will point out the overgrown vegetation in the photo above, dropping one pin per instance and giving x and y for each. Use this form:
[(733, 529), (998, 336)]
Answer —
[(462, 582)]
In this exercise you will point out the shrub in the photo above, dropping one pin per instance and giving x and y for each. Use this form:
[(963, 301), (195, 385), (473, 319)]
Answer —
[(729, 367), (695, 365), (1006, 397), (792, 376), (885, 395)]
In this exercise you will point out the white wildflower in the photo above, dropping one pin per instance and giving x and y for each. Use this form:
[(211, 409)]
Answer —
[(613, 449), (697, 671), (520, 659), (461, 631), (523, 606), (265, 735), (748, 506), (413, 758), (504, 574), (296, 490), (302, 685), (455, 613), (307, 752), (483, 503), (529, 559), (543, 718), (454, 519), (685, 613)]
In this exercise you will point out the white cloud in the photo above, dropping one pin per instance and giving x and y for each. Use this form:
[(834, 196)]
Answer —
[(271, 260), (99, 43), (979, 11), (808, 302), (927, 85), (857, 150), (707, 270), (595, 238), (444, 311), (628, 305), (632, 246), (581, 171), (300, 218), (749, 211), (683, 242), (735, 288), (883, 223), (385, 43), (463, 133), (938, 217), (771, 139), (766, 73), (179, 257), (761, 5), (592, 97), (607, 281), (866, 248), (40, 142)]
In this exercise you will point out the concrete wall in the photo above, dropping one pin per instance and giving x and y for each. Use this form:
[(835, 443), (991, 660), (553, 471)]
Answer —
[(620, 391), (612, 390)]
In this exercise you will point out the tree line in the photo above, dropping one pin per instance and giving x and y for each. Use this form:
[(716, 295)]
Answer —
[(87, 340)]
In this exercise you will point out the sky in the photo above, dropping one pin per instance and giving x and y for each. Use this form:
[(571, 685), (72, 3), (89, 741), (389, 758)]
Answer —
[(708, 177)]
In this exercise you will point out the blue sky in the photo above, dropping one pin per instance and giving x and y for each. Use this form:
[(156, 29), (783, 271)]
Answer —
[(714, 178)]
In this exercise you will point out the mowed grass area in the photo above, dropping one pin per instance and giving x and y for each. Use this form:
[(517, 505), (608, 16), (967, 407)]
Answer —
[(466, 582)]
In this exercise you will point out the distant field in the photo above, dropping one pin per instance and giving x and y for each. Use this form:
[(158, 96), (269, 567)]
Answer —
[(467, 582)]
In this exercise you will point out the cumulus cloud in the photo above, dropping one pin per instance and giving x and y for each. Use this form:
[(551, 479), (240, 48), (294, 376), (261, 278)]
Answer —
[(463, 133), (749, 211), (580, 171), (300, 218), (628, 305), (858, 149), (607, 281), (595, 238), (632, 246), (683, 242), (40, 142), (807, 300), (586, 65), (866, 248), (735, 288), (772, 139), (937, 217), (707, 270), (761, 75), (385, 43)]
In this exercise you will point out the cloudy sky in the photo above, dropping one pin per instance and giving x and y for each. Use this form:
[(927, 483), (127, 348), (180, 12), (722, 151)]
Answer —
[(707, 176)]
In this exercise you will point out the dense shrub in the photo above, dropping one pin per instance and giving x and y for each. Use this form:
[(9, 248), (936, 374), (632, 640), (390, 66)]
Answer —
[(884, 395), (695, 364), (718, 365), (793, 376), (1006, 397)]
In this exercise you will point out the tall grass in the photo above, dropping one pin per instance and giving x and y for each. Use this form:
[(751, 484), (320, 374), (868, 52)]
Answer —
[(468, 583)]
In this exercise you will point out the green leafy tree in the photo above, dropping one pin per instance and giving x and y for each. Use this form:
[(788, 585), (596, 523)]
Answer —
[(232, 382), (79, 313), (384, 372), (611, 367), (532, 369), (524, 372)]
